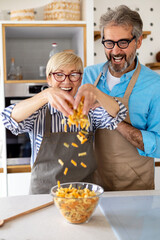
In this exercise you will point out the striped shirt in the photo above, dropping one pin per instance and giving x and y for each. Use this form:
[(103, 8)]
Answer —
[(34, 125)]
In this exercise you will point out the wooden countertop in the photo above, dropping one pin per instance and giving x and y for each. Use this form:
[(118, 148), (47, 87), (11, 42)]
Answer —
[(17, 169), (27, 168)]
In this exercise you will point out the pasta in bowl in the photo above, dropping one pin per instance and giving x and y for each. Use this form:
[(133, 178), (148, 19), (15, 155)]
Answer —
[(76, 200)]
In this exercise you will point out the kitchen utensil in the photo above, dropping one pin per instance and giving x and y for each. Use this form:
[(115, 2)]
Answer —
[(2, 221)]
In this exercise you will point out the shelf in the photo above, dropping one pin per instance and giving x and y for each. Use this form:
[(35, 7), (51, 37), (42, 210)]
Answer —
[(145, 34), (97, 34), (26, 81), (153, 66), (37, 39), (34, 31)]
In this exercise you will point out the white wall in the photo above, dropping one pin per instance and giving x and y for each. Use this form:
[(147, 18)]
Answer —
[(149, 11)]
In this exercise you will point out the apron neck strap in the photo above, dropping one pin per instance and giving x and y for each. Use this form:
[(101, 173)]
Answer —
[(47, 129), (97, 79), (132, 82)]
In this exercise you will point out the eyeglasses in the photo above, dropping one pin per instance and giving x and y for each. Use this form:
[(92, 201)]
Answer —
[(60, 77), (122, 43)]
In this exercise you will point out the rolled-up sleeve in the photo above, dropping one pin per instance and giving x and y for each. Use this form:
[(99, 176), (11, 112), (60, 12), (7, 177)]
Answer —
[(102, 119), (151, 133), (8, 122), (12, 125), (151, 141)]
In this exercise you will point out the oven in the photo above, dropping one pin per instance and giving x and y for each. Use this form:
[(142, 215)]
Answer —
[(19, 147)]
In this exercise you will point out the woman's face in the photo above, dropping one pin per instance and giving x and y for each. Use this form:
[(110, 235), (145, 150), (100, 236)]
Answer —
[(67, 85)]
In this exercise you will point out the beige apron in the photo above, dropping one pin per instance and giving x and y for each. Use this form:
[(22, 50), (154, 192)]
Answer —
[(120, 167), (46, 170)]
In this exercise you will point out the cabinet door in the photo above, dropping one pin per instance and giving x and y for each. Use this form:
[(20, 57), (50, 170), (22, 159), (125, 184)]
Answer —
[(2, 185), (18, 183), (30, 45)]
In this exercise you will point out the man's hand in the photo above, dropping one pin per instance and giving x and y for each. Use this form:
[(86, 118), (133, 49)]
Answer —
[(89, 92), (93, 98), (132, 134)]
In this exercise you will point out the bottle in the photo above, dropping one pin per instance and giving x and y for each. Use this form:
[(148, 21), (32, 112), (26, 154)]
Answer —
[(42, 72), (54, 49), (12, 71), (19, 73)]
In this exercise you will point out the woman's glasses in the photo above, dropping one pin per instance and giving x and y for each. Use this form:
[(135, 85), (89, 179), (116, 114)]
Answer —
[(60, 77)]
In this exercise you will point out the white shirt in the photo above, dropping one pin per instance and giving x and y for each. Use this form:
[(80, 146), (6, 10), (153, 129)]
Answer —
[(111, 80)]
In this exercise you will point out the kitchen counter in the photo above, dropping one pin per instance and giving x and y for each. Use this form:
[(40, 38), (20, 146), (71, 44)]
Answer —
[(133, 215), (27, 168), (48, 223), (130, 215)]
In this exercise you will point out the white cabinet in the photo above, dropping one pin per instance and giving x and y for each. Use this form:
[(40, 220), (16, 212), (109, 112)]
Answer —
[(3, 190), (18, 183)]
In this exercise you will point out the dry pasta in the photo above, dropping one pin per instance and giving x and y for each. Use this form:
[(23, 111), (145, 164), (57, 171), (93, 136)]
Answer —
[(78, 118), (76, 205)]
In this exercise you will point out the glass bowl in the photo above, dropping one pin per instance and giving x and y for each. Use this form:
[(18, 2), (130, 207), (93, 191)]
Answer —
[(77, 209)]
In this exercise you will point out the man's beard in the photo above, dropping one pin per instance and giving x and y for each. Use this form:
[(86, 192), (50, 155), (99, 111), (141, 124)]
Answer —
[(117, 67)]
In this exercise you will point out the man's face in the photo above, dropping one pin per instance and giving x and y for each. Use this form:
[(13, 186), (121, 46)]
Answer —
[(120, 60)]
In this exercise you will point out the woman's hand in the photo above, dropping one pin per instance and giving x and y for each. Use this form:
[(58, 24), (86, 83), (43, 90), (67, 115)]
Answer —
[(61, 100)]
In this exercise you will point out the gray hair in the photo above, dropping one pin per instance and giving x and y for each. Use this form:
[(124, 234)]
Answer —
[(122, 16)]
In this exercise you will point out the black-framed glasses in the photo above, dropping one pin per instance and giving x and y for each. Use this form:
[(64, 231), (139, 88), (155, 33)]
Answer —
[(122, 43), (60, 77)]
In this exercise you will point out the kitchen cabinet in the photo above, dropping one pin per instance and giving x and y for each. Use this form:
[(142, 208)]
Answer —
[(18, 183), (29, 43)]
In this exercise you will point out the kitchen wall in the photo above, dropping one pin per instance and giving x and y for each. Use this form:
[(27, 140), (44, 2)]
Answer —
[(149, 11)]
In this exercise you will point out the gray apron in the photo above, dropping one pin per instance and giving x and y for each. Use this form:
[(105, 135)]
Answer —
[(46, 170), (120, 167)]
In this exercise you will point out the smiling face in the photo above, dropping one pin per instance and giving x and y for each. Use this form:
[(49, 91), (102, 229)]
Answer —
[(66, 85), (121, 60)]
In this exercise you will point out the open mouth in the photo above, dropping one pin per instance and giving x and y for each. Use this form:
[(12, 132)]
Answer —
[(68, 89), (117, 59)]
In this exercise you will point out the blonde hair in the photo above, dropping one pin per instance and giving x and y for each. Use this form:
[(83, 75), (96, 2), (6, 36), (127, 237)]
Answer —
[(62, 59)]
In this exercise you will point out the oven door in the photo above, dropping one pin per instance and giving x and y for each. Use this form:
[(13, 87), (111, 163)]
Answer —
[(18, 147)]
